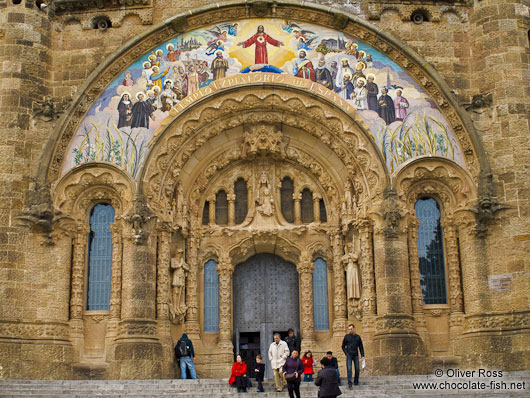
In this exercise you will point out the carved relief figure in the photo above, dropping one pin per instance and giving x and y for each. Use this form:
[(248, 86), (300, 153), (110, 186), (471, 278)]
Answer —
[(264, 202), (178, 286), (353, 282)]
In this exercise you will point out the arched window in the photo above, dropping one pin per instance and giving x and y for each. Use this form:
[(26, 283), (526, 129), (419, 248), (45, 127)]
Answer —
[(286, 193), (320, 295), (221, 208), (211, 297), (307, 207), (430, 252), (323, 214), (206, 213), (241, 202), (99, 272)]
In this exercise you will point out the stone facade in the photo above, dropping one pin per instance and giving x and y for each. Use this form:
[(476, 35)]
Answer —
[(471, 58)]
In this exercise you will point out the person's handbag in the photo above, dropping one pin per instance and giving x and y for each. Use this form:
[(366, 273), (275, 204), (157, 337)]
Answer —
[(290, 376)]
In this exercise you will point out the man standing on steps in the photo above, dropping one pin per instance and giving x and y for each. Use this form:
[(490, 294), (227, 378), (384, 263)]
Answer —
[(293, 342), (278, 354), (184, 351), (351, 345)]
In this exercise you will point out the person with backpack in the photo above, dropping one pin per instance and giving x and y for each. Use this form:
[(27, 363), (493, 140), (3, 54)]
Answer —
[(185, 353)]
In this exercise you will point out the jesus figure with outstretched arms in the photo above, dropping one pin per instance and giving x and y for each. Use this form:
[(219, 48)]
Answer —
[(260, 39)]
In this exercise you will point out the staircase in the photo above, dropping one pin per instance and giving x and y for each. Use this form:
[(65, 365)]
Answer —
[(372, 386)]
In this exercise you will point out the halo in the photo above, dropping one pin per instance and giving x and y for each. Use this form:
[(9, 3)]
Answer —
[(138, 93), (146, 62), (168, 80), (151, 56), (363, 53), (370, 75), (218, 52), (360, 65), (361, 80), (156, 52), (302, 51), (344, 59), (170, 44), (155, 89), (126, 92), (355, 45), (155, 66), (346, 74)]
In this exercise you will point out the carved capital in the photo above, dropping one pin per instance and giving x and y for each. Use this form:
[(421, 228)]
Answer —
[(138, 218)]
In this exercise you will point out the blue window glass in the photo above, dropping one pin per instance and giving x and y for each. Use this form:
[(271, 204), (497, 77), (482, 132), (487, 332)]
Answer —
[(211, 297), (430, 252), (99, 271), (320, 295)]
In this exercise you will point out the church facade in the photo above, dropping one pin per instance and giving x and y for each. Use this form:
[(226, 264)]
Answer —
[(231, 171)]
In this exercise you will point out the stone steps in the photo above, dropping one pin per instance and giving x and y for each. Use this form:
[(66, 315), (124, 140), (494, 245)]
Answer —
[(370, 387)]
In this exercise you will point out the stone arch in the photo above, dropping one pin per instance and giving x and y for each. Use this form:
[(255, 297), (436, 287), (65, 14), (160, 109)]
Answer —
[(264, 242), (439, 178), (195, 133), (81, 188), (418, 69)]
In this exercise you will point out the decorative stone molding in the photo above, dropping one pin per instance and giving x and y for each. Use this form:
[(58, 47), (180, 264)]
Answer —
[(137, 328), (82, 188), (38, 212), (392, 214), (397, 323), (496, 321), (436, 177), (179, 142), (375, 9), (138, 217), (263, 139), (54, 331)]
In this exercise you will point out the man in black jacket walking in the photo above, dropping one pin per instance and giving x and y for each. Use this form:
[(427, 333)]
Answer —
[(351, 345)]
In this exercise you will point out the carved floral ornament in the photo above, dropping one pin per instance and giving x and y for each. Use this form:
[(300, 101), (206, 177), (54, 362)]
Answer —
[(343, 138), (311, 14), (84, 187), (438, 178)]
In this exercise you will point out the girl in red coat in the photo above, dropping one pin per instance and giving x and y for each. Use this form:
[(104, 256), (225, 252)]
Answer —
[(308, 362), (239, 375)]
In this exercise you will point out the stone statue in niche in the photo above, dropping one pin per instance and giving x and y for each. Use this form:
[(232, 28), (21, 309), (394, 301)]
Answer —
[(353, 282), (178, 287), (264, 202)]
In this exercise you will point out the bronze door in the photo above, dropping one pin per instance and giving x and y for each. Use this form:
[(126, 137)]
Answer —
[(265, 300)]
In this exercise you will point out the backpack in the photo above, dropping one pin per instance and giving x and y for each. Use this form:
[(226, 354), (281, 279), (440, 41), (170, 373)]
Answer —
[(181, 349)]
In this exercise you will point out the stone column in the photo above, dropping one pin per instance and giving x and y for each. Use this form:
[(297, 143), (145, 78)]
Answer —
[(211, 210), (137, 350), (115, 289), (297, 209), (397, 345), (305, 270), (224, 346), (163, 291), (231, 209), (316, 208), (77, 295), (415, 281), (366, 263), (339, 286), (192, 324), (455, 284)]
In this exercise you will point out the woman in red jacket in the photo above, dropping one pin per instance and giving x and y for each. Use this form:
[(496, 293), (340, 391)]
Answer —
[(239, 375), (308, 362)]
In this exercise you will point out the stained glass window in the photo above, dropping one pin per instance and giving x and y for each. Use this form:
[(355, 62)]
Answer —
[(307, 207), (221, 208), (286, 193), (320, 295), (430, 252), (211, 297), (241, 203), (99, 272)]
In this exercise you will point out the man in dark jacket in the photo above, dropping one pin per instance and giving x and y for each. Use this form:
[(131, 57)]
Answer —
[(293, 342), (351, 345), (186, 361), (327, 380)]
